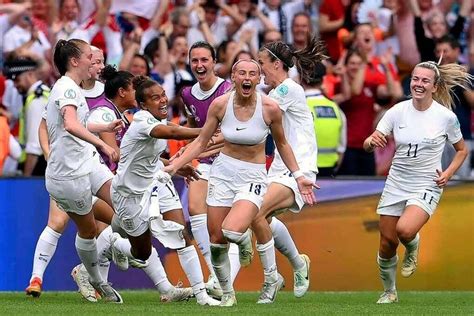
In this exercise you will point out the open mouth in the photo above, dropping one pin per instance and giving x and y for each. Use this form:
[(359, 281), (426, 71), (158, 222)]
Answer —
[(419, 90), (201, 73), (163, 109), (246, 87)]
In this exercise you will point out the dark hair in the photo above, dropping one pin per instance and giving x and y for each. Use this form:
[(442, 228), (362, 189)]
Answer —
[(302, 13), (64, 51), (151, 48), (350, 53), (448, 39), (114, 80), (317, 76), (61, 3), (140, 84), (305, 59), (236, 58), (221, 50), (205, 45), (349, 23), (145, 59)]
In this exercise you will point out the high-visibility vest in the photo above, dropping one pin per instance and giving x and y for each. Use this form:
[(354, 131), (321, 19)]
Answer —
[(327, 127), (41, 92)]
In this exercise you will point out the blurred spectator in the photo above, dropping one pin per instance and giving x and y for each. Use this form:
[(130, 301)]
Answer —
[(404, 29), (24, 37), (248, 16), (301, 30), (437, 27), (41, 14), (10, 14), (329, 124), (24, 73), (229, 49), (181, 74), (331, 19), (208, 23), (271, 36), (370, 81), (386, 23), (281, 15), (10, 150), (448, 47)]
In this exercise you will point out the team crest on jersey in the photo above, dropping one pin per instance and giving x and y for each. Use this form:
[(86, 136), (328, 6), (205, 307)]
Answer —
[(107, 117), (282, 90), (80, 204), (70, 94)]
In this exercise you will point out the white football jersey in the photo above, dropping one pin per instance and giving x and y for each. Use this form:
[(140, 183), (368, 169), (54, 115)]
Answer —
[(101, 115), (70, 156), (139, 155), (298, 126), (95, 92), (420, 137)]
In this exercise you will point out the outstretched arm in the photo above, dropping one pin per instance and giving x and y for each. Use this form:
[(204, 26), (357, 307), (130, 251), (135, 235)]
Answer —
[(200, 143)]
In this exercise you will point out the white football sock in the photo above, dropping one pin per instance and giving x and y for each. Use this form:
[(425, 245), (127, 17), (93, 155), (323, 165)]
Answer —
[(123, 245), (189, 260), (201, 235), (44, 252), (234, 261), (267, 257), (157, 274), (104, 253), (221, 264), (388, 272), (87, 251), (285, 244)]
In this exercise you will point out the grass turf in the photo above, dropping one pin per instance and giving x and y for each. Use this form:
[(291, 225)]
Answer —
[(322, 303)]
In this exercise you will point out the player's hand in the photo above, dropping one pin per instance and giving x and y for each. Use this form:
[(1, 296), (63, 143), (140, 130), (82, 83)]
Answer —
[(189, 173), (378, 140), (111, 153), (306, 186), (442, 179), (115, 126)]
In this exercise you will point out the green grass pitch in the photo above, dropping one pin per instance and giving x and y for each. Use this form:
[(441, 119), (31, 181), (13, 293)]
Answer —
[(314, 303)]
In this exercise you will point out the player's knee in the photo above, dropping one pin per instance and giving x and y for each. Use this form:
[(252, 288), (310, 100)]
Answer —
[(387, 244), (405, 233), (58, 224), (87, 233)]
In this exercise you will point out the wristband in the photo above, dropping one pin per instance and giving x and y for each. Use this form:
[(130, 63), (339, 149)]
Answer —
[(297, 174)]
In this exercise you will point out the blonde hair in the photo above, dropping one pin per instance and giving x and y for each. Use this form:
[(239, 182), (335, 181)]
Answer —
[(447, 77)]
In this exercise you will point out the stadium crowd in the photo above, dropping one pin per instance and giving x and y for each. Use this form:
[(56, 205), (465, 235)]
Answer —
[(372, 48), (270, 92)]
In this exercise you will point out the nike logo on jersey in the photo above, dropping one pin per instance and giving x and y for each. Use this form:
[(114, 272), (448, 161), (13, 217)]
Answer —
[(401, 126), (240, 128)]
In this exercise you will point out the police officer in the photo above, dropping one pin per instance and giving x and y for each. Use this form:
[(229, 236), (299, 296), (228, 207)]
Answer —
[(23, 71), (329, 124)]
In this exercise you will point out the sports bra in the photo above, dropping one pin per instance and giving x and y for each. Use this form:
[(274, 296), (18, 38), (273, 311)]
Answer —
[(251, 132)]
